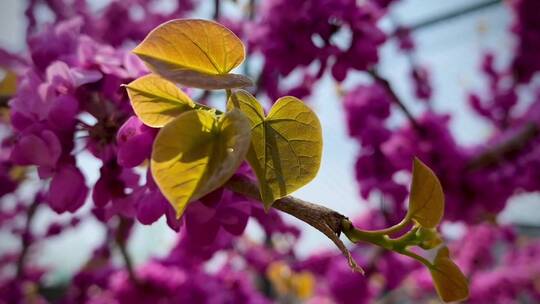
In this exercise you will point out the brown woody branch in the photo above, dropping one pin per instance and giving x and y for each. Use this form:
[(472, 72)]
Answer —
[(319, 217)]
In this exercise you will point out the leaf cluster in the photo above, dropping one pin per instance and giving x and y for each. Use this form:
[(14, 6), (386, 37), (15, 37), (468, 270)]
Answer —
[(199, 148)]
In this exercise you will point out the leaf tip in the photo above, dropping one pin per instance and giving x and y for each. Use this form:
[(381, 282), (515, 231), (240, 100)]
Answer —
[(267, 198), (179, 212), (450, 283), (137, 50), (426, 201)]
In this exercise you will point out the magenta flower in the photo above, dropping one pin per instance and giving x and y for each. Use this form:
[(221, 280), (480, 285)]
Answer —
[(134, 141), (151, 205), (67, 191), (113, 185), (220, 209), (57, 42), (35, 147)]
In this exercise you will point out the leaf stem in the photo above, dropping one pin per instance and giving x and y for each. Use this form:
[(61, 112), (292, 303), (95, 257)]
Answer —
[(417, 257), (390, 230), (380, 238)]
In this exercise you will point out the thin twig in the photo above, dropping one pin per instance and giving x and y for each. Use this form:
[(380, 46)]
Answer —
[(26, 238), (122, 246), (395, 98), (319, 217)]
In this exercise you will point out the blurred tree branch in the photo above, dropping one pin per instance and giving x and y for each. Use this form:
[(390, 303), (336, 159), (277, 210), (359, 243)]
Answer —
[(506, 149), (4, 101), (395, 98), (26, 237), (122, 233), (217, 9), (449, 16)]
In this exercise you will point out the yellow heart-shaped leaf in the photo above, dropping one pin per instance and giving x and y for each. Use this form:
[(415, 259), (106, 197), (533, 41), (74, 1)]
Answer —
[(157, 101), (450, 283), (197, 153), (195, 53), (286, 146), (426, 201)]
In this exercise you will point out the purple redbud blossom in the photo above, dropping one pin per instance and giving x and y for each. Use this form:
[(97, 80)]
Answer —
[(272, 221), (422, 85), (220, 209), (406, 42), (54, 229), (111, 193), (291, 35), (134, 141), (394, 268), (7, 184), (57, 42), (63, 112), (366, 108), (151, 205), (527, 28), (67, 191), (37, 147), (347, 286)]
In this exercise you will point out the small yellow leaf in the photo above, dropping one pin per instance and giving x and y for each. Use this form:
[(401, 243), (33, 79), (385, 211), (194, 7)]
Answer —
[(426, 202), (198, 152), (288, 283), (8, 85), (304, 285), (157, 101), (449, 281), (195, 53), (286, 146), (279, 275)]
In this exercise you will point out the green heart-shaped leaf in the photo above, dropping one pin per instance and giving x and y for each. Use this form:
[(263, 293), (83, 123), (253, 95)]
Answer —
[(426, 201), (198, 152), (157, 101), (286, 146), (449, 281), (195, 53)]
